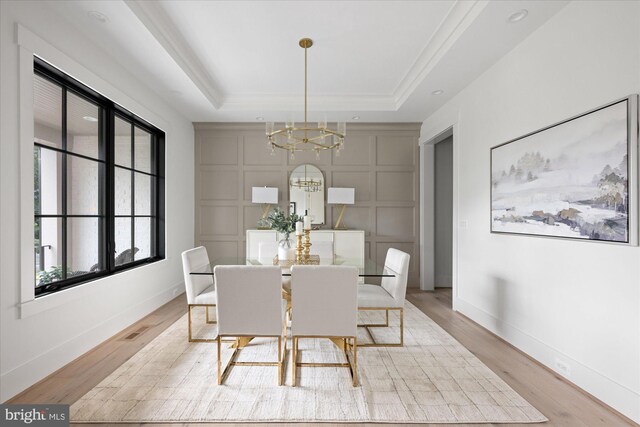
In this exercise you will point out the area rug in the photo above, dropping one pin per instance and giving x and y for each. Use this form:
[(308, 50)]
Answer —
[(432, 379)]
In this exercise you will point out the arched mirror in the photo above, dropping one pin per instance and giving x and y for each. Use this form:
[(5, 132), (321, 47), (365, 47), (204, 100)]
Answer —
[(306, 193)]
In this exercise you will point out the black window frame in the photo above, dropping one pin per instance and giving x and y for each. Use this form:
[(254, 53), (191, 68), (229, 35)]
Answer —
[(109, 110)]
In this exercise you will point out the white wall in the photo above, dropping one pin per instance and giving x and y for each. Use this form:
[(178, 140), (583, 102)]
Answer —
[(558, 300), (58, 328)]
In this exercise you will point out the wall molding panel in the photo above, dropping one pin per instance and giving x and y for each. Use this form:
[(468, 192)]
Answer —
[(380, 160)]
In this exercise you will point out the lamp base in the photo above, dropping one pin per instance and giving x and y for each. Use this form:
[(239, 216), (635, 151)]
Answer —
[(338, 225)]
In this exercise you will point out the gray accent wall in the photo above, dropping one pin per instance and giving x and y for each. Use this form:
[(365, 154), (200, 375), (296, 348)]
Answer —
[(379, 160)]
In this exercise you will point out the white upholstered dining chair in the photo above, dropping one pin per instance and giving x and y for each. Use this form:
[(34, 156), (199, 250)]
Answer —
[(324, 300), (250, 305), (389, 296), (200, 289)]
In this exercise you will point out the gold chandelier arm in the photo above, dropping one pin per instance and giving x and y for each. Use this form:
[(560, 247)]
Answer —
[(334, 133), (318, 138), (277, 132)]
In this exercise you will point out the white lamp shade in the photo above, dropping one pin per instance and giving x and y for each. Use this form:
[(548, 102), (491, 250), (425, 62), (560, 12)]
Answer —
[(264, 195), (341, 196)]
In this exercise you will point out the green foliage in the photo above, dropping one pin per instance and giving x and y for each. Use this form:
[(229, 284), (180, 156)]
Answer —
[(286, 224), (53, 275)]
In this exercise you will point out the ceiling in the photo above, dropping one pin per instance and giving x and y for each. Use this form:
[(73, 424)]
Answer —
[(239, 60)]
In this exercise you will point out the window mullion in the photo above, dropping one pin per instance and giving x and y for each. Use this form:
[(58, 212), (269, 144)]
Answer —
[(102, 191), (63, 184), (153, 225), (110, 185), (133, 191)]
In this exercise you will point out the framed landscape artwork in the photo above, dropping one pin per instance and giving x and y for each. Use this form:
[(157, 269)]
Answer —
[(575, 179)]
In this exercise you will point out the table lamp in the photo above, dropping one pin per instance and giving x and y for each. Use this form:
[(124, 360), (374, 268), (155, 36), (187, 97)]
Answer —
[(341, 196), (266, 196)]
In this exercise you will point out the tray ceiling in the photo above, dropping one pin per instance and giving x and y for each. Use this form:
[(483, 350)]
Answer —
[(238, 60)]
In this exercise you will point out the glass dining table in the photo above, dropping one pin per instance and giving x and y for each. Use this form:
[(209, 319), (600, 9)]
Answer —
[(366, 267)]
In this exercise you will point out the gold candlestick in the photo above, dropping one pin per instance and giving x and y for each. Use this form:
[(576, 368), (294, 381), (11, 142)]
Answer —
[(299, 248), (307, 244)]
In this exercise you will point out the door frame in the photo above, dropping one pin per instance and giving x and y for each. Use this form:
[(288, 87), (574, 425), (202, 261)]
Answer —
[(427, 212)]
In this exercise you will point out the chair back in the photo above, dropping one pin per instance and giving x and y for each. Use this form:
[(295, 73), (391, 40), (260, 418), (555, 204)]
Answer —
[(324, 300), (249, 300), (398, 262), (322, 248), (194, 284)]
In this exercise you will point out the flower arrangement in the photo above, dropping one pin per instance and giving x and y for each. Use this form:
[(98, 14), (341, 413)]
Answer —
[(285, 224)]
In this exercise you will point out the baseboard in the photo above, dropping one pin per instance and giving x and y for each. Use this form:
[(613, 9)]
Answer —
[(603, 388), (34, 370)]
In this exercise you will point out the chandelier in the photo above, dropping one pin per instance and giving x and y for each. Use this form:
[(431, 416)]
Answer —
[(306, 137)]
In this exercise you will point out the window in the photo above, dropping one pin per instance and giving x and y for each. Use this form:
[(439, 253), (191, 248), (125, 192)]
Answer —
[(98, 184)]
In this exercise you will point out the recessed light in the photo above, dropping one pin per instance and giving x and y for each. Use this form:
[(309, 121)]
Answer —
[(355, 118), (518, 16), (437, 92), (90, 118), (98, 16), (259, 118)]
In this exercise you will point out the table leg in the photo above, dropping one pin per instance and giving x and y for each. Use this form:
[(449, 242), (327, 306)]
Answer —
[(241, 342), (339, 342)]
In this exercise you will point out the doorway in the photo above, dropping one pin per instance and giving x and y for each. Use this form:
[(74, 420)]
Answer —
[(443, 213)]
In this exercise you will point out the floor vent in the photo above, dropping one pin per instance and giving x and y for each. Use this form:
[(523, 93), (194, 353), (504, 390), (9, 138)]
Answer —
[(135, 334)]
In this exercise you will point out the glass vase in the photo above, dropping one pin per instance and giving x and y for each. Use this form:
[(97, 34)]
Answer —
[(286, 249)]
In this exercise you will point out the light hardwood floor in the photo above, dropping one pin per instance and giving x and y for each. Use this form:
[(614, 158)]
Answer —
[(560, 401)]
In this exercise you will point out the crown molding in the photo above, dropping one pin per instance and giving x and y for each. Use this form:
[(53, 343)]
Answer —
[(458, 19), (351, 126), (316, 103), (165, 32)]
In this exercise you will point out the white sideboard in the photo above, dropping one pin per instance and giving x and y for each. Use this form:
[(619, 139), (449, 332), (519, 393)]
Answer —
[(346, 243)]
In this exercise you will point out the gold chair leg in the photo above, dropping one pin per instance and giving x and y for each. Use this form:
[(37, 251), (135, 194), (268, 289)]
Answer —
[(402, 327), (191, 339), (282, 366), (294, 359), (279, 361), (355, 362), (373, 341), (219, 363), (189, 311), (211, 322)]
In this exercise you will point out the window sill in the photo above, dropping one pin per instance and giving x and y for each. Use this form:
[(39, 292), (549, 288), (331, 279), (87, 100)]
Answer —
[(66, 296)]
